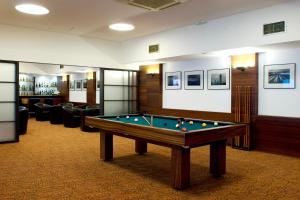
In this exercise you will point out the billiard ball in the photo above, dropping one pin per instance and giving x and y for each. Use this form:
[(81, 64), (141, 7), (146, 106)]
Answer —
[(177, 125), (191, 122), (216, 124), (204, 124), (165, 124), (178, 120), (136, 119), (183, 129), (182, 122), (127, 116), (118, 117)]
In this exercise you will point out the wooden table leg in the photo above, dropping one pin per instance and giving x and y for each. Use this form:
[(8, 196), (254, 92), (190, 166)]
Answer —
[(140, 147), (180, 168), (218, 158), (106, 146)]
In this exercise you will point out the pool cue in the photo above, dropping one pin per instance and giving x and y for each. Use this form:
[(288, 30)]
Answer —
[(235, 113), (238, 119), (246, 116), (146, 120)]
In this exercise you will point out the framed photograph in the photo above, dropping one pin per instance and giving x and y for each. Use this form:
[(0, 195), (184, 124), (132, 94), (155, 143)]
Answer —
[(72, 85), (173, 80), (218, 79), (98, 85), (280, 76), (84, 84), (194, 80), (78, 85)]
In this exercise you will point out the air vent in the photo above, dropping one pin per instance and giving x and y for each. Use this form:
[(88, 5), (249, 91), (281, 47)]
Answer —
[(153, 5), (276, 27), (154, 48)]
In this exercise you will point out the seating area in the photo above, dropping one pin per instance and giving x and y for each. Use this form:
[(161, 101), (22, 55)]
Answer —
[(69, 114)]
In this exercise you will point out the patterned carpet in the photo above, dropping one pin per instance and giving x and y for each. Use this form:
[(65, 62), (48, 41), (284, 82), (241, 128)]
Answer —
[(53, 162)]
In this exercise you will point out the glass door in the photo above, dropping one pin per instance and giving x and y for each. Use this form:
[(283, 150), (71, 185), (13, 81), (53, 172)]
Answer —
[(8, 101)]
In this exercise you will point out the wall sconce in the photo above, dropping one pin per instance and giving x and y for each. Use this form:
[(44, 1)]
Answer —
[(241, 68), (64, 77), (90, 75), (242, 62), (152, 70), (152, 74)]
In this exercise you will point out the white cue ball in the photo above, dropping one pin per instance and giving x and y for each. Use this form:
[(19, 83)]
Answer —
[(216, 123), (127, 117), (136, 119), (177, 125)]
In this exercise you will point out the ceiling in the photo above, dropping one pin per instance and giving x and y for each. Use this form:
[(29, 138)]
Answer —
[(91, 18)]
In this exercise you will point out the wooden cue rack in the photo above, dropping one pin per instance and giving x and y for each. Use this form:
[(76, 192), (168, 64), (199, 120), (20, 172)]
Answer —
[(242, 114)]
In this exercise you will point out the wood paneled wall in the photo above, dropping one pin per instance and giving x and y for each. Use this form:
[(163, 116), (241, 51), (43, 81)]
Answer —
[(278, 135), (150, 89), (247, 78), (63, 87), (91, 89)]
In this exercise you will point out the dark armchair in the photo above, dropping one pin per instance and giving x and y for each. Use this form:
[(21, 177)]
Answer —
[(56, 113), (23, 120), (71, 117), (89, 111), (42, 111), (31, 105)]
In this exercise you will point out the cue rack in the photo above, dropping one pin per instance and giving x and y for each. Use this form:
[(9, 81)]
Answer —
[(242, 114)]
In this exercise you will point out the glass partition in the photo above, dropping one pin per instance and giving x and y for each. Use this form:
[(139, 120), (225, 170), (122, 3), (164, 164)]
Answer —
[(120, 91), (8, 101)]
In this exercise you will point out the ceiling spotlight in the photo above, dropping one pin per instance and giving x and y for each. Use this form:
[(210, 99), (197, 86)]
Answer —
[(32, 9), (121, 27)]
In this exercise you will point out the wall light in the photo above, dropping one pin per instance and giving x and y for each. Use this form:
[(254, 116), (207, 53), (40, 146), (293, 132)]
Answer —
[(242, 62), (64, 77), (152, 69), (90, 75)]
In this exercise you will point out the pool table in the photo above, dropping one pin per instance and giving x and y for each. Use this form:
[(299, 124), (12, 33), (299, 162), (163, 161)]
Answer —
[(180, 134)]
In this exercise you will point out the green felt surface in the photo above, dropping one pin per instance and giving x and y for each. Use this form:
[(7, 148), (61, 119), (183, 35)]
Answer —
[(165, 122)]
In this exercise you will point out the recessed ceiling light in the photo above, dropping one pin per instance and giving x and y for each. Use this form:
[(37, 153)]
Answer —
[(121, 27), (32, 9)]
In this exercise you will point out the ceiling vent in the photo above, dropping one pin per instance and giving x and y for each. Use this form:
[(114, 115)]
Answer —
[(153, 5)]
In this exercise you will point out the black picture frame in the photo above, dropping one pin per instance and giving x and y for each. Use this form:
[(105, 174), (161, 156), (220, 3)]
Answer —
[(78, 85), (84, 84), (72, 85)]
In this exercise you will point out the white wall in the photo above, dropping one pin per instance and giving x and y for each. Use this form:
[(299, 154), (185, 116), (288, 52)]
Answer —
[(23, 44), (237, 31), (40, 69), (200, 100), (279, 102)]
